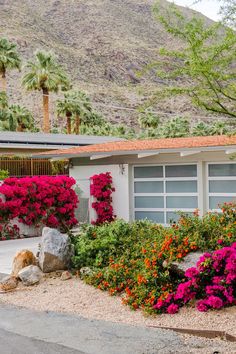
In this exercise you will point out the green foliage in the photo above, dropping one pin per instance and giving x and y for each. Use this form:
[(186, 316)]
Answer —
[(9, 57), (175, 128), (3, 174), (134, 258), (180, 127), (206, 61), (44, 73), (14, 117), (148, 120), (228, 11)]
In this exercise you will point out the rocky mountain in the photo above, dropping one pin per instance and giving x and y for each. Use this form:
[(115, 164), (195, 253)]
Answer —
[(101, 43)]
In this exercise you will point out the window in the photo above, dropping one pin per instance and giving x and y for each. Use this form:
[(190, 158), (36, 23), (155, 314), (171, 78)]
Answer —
[(161, 191), (221, 184)]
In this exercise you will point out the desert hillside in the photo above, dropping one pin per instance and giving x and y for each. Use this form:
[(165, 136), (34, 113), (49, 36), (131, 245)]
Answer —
[(101, 43)]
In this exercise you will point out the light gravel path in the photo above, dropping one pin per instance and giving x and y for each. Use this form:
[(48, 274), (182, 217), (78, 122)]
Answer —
[(73, 297), (8, 250), (96, 337)]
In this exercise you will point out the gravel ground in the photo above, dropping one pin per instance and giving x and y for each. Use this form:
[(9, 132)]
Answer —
[(75, 297)]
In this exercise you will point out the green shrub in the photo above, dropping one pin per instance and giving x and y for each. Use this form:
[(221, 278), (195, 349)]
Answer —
[(3, 174), (133, 259)]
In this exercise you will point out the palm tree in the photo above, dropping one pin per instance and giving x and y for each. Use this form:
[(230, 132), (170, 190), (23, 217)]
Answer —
[(23, 118), (83, 111), (9, 59), (66, 108), (46, 75), (76, 107)]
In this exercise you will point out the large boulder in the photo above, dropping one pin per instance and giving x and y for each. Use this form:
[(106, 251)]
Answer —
[(55, 252), (23, 259), (9, 283), (188, 262), (30, 275)]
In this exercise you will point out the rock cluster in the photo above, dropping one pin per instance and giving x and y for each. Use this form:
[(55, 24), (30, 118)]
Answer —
[(54, 254)]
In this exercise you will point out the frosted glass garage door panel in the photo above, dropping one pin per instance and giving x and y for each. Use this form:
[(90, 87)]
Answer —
[(182, 202), (148, 187), (181, 186), (218, 170), (148, 172), (181, 171), (156, 217), (149, 202), (222, 186), (215, 202), (173, 217)]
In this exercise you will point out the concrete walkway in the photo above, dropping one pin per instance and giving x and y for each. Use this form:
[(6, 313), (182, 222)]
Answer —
[(30, 331), (8, 250)]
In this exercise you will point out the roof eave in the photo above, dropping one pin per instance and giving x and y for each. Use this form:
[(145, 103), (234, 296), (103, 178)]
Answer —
[(134, 152)]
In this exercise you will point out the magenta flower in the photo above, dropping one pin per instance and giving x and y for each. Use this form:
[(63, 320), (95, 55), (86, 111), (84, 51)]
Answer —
[(172, 309)]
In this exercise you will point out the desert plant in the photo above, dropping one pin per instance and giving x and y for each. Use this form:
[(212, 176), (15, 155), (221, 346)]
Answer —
[(46, 75)]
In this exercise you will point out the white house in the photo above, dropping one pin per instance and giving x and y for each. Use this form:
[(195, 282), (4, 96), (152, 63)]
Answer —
[(155, 178)]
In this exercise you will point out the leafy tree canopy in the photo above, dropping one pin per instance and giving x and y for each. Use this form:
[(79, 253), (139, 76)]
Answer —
[(205, 68)]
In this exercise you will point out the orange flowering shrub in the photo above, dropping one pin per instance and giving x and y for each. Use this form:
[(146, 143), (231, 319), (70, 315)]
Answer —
[(133, 259)]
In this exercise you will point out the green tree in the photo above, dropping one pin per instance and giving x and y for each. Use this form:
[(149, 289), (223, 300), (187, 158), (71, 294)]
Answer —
[(46, 75), (9, 59), (228, 11), (204, 69)]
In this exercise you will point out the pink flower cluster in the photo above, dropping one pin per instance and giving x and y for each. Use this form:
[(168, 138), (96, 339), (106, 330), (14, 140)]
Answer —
[(8, 232), (101, 188), (38, 200), (212, 282)]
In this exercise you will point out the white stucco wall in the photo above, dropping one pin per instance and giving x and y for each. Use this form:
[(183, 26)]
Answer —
[(120, 175), (123, 182)]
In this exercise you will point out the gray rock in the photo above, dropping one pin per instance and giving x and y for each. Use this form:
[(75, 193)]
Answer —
[(85, 271), (189, 261), (9, 283), (66, 275), (56, 251), (30, 275)]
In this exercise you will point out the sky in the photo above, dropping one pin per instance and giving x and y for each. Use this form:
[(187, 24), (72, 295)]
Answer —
[(209, 8)]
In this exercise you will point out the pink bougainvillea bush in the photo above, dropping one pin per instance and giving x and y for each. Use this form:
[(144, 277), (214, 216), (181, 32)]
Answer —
[(9, 232), (101, 188), (212, 283), (39, 200)]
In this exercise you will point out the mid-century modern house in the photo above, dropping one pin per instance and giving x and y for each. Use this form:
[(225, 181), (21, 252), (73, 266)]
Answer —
[(156, 178)]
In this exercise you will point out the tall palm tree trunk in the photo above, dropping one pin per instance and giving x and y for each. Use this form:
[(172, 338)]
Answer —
[(68, 116), (46, 119), (77, 124), (3, 82)]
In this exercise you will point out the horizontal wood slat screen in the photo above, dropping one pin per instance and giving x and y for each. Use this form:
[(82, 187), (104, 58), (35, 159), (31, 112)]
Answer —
[(30, 167)]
